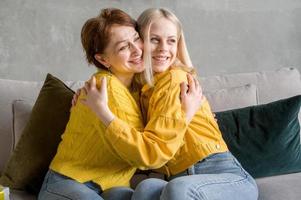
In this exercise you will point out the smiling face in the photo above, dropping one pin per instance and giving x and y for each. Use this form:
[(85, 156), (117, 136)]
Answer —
[(164, 44), (123, 55)]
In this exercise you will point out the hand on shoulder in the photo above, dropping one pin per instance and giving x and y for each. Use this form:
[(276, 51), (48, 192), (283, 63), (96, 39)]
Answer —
[(191, 97), (97, 99)]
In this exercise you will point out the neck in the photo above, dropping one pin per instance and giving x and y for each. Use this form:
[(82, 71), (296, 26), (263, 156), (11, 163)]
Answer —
[(126, 80)]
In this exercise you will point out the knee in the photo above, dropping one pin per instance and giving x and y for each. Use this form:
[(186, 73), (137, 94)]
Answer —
[(179, 189), (149, 189), (174, 190)]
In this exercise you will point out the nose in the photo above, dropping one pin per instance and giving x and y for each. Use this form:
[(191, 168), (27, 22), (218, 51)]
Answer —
[(136, 48), (162, 46)]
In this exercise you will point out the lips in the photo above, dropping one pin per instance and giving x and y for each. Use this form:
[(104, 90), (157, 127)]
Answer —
[(136, 60), (160, 58)]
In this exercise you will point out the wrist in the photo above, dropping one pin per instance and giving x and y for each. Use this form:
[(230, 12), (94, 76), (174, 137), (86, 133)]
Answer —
[(188, 119), (106, 116), (187, 116)]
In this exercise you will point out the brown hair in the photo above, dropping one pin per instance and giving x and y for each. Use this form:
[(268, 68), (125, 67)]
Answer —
[(95, 34)]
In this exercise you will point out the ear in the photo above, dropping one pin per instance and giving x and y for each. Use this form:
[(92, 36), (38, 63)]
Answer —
[(102, 60)]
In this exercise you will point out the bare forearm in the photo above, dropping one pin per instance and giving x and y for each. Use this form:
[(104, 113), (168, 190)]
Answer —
[(105, 115)]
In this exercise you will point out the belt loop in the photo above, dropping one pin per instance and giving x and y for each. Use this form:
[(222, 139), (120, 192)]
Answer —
[(190, 170)]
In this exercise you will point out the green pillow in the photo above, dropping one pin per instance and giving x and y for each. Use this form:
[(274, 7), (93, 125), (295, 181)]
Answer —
[(264, 138), (30, 159)]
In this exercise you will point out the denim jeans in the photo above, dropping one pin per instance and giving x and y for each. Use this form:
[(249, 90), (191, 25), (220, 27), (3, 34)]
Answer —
[(60, 187), (217, 177)]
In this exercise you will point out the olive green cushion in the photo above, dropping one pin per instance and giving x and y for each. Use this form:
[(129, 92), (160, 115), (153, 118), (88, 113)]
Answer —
[(264, 138), (38, 143)]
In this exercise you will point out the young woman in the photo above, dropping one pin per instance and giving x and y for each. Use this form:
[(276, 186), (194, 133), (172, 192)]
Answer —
[(202, 168), (86, 162)]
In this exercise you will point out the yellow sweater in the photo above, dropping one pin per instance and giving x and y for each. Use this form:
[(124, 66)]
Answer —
[(84, 153), (202, 137), (162, 136)]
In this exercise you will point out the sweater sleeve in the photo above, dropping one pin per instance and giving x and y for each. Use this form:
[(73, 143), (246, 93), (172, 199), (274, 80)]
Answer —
[(163, 134)]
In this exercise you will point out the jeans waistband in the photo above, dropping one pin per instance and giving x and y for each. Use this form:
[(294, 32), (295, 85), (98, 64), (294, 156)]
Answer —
[(191, 169), (188, 171), (90, 184)]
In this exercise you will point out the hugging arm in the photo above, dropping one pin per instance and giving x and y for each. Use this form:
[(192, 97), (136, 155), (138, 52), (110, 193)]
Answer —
[(191, 98), (162, 136)]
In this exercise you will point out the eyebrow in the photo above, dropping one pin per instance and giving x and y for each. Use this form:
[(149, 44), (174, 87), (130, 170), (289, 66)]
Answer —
[(159, 36), (117, 43)]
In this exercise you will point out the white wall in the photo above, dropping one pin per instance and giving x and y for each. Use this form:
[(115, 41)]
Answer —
[(223, 36)]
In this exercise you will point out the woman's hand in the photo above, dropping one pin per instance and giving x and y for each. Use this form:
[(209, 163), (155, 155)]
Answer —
[(75, 98), (191, 97), (97, 100)]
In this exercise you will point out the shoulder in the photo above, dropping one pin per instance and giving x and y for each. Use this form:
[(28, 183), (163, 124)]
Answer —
[(168, 82), (113, 83), (102, 74), (172, 76), (178, 75), (118, 93)]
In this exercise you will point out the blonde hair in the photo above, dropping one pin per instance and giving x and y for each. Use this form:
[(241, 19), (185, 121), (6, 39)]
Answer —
[(145, 21)]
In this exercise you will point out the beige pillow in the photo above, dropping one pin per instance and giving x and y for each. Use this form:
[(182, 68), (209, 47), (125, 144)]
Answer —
[(11, 90), (271, 85), (232, 98), (21, 113)]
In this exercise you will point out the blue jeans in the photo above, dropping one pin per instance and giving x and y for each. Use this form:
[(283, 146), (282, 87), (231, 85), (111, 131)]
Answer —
[(217, 177), (60, 187)]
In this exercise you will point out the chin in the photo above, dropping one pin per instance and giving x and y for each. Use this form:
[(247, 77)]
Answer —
[(159, 69), (138, 68)]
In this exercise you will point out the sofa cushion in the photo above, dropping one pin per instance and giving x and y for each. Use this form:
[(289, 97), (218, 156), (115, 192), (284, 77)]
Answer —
[(231, 98), (264, 138), (11, 90), (271, 85), (21, 114), (40, 138), (280, 187)]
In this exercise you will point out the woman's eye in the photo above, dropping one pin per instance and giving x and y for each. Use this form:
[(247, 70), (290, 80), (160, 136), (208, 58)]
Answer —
[(172, 41), (123, 47), (154, 40), (137, 39)]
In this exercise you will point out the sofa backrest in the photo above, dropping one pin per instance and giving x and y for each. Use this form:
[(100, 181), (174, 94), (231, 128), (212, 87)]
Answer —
[(223, 92), (271, 85)]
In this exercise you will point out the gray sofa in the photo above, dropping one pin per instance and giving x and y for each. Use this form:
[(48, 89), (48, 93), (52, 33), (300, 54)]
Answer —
[(224, 92)]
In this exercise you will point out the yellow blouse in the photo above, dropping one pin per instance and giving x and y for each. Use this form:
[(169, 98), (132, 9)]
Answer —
[(85, 154), (163, 135), (202, 137)]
